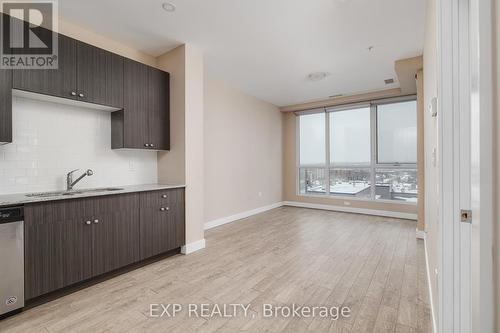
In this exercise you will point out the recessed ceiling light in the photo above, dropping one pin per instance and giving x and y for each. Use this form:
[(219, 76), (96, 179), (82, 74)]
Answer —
[(317, 76), (168, 6)]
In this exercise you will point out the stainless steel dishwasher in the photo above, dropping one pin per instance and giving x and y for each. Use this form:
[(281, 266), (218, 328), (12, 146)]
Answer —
[(11, 259)]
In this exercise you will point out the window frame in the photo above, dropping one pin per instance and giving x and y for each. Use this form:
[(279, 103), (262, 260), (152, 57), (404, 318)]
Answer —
[(374, 165)]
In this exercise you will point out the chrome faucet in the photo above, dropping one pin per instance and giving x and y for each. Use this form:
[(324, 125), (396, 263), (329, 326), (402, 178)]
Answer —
[(69, 178)]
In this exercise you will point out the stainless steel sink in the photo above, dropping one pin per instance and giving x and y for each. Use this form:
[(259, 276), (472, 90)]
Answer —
[(73, 192)]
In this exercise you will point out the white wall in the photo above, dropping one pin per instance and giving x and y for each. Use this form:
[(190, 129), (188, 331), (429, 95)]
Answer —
[(51, 139), (243, 152)]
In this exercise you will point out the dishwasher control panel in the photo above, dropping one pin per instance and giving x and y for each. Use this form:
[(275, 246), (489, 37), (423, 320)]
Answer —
[(10, 214)]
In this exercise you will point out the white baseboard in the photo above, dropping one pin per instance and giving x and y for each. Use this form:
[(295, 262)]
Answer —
[(406, 216), (193, 247), (420, 234), (433, 313), (239, 216)]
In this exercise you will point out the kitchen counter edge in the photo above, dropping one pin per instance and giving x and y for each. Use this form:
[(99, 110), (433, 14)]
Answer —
[(18, 199)]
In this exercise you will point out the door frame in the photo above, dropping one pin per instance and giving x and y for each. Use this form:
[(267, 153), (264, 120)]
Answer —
[(465, 143)]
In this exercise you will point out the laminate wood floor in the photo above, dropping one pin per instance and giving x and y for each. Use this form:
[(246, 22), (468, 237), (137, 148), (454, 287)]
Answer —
[(373, 265)]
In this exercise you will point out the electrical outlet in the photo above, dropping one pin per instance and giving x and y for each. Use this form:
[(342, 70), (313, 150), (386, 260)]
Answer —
[(131, 166)]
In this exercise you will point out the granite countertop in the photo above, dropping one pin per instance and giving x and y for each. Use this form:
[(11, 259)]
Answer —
[(22, 198)]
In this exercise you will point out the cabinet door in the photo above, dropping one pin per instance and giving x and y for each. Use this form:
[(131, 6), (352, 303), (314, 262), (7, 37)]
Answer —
[(135, 114), (60, 82), (176, 216), (99, 76), (58, 245), (174, 201), (158, 233), (159, 109), (5, 106), (115, 232)]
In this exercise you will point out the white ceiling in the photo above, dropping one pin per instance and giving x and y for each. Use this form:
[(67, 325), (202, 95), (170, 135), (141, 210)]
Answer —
[(267, 48)]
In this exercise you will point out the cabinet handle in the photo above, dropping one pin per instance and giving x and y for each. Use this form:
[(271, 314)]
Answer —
[(164, 209), (88, 223), (96, 221), (73, 93), (164, 196), (81, 95), (146, 145), (151, 145)]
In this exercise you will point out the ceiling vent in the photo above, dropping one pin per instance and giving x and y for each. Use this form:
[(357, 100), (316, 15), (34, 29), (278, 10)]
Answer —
[(389, 81), (318, 76), (336, 96)]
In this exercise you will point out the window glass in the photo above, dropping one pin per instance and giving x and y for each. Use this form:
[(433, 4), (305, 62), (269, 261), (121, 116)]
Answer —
[(351, 182), (350, 137), (397, 132), (312, 139), (312, 180), (396, 184)]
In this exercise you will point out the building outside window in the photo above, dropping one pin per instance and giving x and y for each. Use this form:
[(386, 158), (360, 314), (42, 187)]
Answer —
[(364, 151)]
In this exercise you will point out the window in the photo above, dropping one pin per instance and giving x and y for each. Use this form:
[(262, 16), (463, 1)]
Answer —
[(350, 137), (312, 154), (312, 140), (367, 152), (397, 133)]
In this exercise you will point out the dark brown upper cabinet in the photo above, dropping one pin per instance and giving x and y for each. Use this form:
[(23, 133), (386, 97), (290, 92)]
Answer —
[(99, 76), (5, 101), (159, 104), (85, 73), (59, 82), (5, 106), (130, 127), (144, 121)]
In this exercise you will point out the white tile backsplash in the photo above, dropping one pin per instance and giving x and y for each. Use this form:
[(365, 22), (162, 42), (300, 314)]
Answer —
[(51, 139)]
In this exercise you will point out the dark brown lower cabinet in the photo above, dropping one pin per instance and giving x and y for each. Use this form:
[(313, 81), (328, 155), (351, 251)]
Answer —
[(70, 241), (162, 221), (58, 245), (115, 232)]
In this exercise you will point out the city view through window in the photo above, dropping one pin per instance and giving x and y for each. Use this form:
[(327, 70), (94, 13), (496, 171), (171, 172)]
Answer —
[(342, 154)]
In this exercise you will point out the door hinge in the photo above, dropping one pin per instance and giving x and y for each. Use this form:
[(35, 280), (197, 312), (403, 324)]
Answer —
[(466, 216)]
